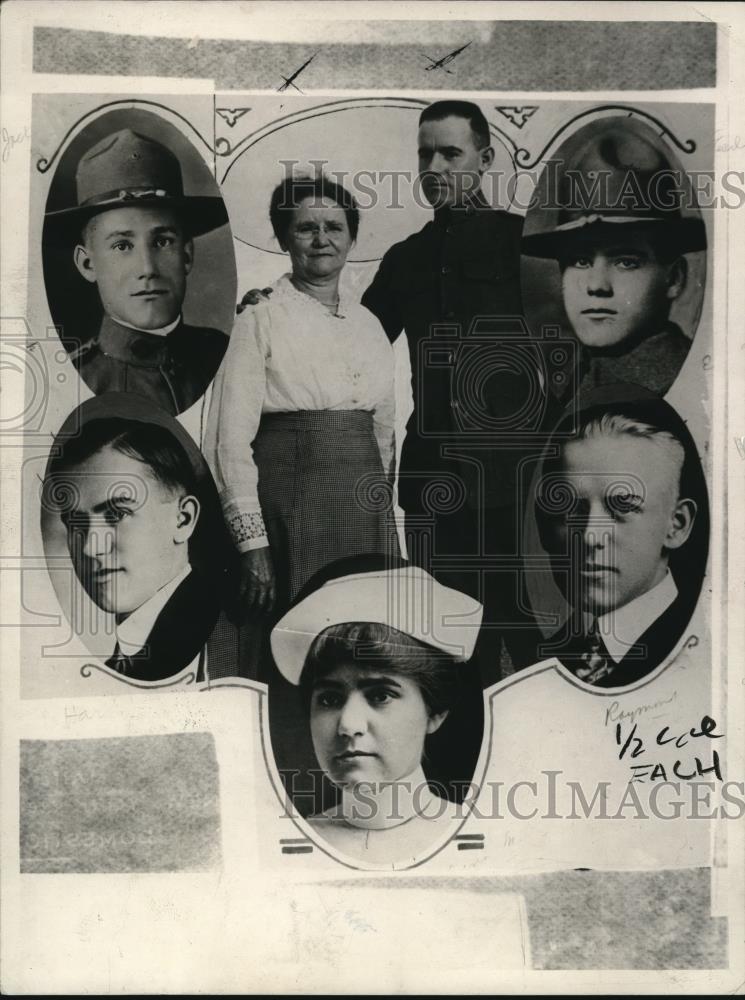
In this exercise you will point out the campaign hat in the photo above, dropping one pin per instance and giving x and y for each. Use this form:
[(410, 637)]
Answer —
[(126, 170), (620, 180)]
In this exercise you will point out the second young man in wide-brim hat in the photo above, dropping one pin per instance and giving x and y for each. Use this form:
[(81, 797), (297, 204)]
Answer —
[(620, 239)]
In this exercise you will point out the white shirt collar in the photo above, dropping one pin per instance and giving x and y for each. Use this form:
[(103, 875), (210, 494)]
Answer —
[(163, 331), (391, 804), (623, 627), (132, 634)]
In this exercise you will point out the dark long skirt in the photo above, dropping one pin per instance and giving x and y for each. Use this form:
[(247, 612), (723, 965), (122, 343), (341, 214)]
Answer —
[(322, 492)]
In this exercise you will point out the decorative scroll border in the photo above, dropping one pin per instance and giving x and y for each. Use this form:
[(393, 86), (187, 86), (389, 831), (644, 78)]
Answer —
[(522, 155), (181, 679), (223, 147), (44, 163)]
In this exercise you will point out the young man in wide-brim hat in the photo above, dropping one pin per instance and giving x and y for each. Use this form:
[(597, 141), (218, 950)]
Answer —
[(620, 240), (133, 230)]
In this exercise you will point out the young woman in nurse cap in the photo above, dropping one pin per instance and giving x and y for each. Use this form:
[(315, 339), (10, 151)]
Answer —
[(376, 646)]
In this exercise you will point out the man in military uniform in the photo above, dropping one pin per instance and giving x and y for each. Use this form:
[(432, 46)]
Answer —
[(135, 230), (620, 241), (454, 289)]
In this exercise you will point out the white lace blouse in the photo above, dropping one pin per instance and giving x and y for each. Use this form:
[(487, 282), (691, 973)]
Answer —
[(290, 354)]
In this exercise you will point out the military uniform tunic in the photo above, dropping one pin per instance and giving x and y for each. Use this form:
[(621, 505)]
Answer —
[(454, 287), (173, 370)]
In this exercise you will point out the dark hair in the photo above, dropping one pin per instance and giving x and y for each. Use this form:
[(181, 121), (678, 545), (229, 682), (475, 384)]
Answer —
[(375, 646), (153, 445), (460, 109), (210, 547), (292, 191)]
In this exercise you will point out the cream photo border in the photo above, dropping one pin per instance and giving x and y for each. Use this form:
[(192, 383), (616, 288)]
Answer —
[(26, 905)]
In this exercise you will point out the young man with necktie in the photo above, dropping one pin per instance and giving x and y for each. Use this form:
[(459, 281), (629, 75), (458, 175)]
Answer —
[(136, 507), (621, 511)]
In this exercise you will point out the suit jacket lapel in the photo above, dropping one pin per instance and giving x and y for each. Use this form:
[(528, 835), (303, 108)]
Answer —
[(180, 632)]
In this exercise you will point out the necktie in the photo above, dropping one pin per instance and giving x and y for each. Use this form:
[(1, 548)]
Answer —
[(594, 662), (119, 662)]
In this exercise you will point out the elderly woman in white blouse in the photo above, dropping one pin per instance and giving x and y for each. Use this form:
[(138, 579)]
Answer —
[(301, 423)]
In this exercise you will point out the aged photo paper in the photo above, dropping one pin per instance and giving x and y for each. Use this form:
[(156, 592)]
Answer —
[(372, 417)]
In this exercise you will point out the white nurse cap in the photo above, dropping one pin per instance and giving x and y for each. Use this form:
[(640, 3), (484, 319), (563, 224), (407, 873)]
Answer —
[(406, 598)]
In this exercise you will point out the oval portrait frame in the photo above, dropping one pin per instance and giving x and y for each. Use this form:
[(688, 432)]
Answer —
[(540, 276), (688, 564), (361, 589), (74, 304), (209, 547)]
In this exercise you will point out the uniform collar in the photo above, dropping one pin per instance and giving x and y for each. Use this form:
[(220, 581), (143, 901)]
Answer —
[(140, 347), (628, 346), (162, 332), (623, 627), (132, 634), (475, 204)]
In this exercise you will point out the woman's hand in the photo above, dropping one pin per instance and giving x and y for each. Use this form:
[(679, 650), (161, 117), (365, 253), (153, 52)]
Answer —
[(253, 297), (256, 585)]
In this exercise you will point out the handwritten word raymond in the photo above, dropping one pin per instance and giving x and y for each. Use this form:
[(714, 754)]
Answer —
[(617, 714), (633, 746)]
